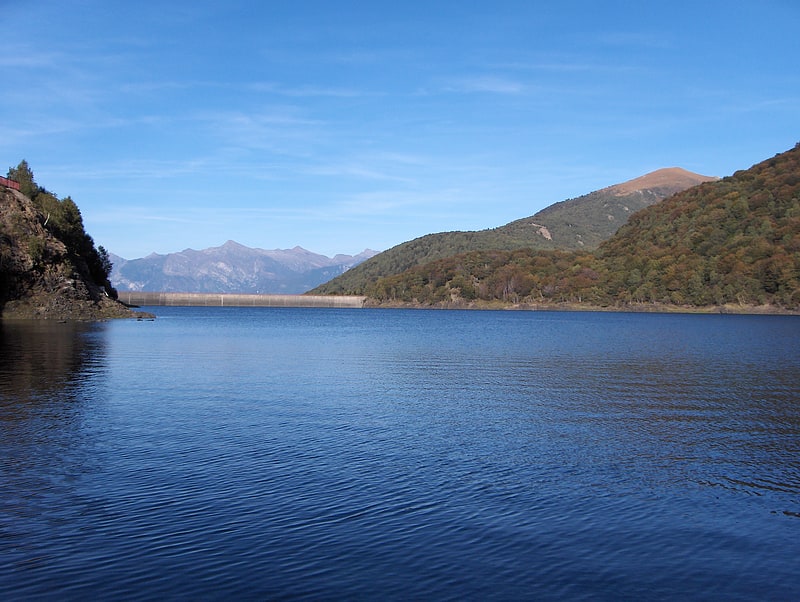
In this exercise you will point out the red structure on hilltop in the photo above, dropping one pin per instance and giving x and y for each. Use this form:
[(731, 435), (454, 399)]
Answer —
[(9, 183)]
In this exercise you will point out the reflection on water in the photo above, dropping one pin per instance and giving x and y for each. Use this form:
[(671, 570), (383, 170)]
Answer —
[(39, 358), (255, 453), (49, 373)]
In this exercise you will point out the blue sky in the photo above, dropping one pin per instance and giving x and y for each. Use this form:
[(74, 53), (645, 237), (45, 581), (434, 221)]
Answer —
[(345, 125)]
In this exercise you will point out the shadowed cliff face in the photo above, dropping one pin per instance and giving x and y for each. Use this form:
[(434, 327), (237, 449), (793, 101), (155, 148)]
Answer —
[(39, 278)]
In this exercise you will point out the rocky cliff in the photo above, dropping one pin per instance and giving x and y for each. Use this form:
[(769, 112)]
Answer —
[(39, 277)]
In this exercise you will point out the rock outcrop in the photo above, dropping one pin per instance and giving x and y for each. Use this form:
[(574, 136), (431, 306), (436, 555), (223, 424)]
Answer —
[(39, 278)]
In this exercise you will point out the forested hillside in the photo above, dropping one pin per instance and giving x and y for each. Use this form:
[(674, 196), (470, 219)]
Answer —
[(580, 223), (734, 241)]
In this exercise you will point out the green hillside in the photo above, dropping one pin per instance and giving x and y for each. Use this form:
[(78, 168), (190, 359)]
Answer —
[(580, 223), (734, 241)]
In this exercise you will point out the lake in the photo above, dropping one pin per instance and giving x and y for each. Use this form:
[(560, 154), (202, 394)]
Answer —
[(272, 453)]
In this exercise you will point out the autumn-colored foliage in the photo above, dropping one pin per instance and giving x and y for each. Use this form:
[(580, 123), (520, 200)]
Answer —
[(736, 240), (732, 241)]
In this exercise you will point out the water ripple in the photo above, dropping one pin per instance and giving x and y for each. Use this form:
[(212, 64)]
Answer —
[(395, 455)]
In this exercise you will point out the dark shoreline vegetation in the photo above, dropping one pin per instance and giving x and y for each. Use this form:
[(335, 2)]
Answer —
[(720, 246), (634, 308)]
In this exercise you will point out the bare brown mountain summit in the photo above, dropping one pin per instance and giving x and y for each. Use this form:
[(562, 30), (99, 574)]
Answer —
[(668, 177)]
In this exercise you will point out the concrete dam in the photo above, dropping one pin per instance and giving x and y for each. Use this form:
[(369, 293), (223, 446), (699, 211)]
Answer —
[(239, 300)]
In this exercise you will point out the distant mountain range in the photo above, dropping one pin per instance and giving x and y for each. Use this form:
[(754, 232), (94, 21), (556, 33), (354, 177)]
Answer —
[(580, 223), (576, 224), (231, 268)]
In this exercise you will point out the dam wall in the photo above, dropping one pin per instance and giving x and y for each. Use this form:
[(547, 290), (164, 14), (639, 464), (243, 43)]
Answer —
[(238, 300)]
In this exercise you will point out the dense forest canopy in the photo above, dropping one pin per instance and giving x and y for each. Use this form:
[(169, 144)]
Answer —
[(734, 241)]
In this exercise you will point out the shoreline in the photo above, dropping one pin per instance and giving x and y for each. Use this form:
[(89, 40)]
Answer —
[(732, 309), (138, 299)]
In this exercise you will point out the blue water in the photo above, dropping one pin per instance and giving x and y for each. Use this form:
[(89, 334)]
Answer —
[(257, 453)]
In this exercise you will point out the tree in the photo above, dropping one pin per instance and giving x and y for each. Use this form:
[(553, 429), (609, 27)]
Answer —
[(105, 261), (23, 174)]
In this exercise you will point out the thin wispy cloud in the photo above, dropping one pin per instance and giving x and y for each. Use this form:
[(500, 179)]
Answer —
[(358, 171), (26, 57), (280, 130), (485, 84), (568, 65), (652, 40), (401, 55), (304, 91), (393, 202)]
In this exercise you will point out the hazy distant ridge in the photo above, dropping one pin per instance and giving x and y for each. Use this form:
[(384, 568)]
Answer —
[(231, 268)]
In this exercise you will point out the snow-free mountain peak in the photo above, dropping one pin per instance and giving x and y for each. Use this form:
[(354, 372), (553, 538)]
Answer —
[(231, 268)]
